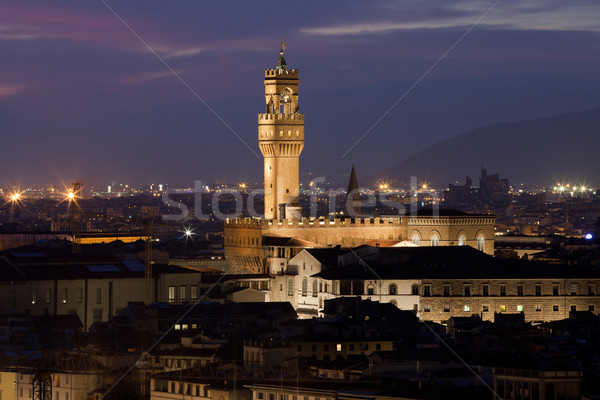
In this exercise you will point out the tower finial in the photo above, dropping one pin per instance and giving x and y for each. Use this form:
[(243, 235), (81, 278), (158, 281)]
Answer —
[(281, 65)]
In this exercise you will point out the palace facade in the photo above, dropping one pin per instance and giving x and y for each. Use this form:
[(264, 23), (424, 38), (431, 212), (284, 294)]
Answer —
[(249, 241)]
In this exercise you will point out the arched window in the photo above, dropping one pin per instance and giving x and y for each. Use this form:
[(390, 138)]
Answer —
[(304, 286), (315, 288), (291, 287), (462, 240), (435, 240), (480, 242), (393, 289), (416, 239)]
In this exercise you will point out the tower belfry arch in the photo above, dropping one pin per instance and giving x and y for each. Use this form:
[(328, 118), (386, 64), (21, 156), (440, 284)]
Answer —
[(281, 140)]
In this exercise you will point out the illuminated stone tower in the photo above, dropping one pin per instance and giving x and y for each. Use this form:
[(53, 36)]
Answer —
[(281, 140)]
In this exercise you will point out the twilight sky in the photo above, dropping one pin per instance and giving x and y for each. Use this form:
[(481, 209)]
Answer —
[(81, 97)]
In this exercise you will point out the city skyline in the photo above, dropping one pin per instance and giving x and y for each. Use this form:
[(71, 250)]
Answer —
[(83, 96)]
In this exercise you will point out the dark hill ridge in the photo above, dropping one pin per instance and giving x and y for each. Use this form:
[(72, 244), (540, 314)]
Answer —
[(534, 151)]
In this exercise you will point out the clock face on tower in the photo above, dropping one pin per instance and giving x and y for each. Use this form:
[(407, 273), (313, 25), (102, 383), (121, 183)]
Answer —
[(285, 97)]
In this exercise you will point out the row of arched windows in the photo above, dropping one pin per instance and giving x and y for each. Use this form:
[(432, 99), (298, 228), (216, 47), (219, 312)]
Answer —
[(461, 239)]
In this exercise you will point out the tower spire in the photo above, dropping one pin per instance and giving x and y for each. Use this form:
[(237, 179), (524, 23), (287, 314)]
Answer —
[(353, 195)]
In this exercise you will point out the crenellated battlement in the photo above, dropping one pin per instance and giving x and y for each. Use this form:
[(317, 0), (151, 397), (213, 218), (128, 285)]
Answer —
[(281, 73), (314, 223), (245, 222), (291, 118)]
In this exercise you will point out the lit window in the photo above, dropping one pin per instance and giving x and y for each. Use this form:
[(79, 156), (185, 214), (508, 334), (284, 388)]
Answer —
[(416, 239), (291, 287), (182, 293), (435, 240), (538, 308), (65, 295), (304, 286), (446, 308), (519, 308), (462, 240), (485, 308), (502, 308), (427, 308), (467, 308), (171, 294), (480, 242), (33, 296), (338, 347)]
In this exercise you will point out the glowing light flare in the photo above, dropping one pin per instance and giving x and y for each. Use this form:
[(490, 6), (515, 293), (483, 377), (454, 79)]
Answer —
[(589, 236), (188, 233), (15, 197)]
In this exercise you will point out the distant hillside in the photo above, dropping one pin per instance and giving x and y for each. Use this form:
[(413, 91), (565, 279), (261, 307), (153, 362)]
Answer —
[(533, 151)]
